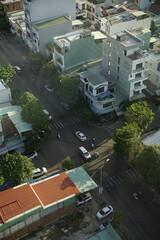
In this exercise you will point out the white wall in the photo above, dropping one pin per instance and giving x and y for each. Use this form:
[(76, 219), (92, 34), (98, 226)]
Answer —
[(41, 9), (5, 95)]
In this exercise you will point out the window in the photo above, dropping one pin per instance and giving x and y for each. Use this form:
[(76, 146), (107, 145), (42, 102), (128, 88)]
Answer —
[(107, 105), (118, 69), (139, 66), (109, 72), (90, 89), (118, 60), (117, 78), (125, 52), (138, 75), (100, 90)]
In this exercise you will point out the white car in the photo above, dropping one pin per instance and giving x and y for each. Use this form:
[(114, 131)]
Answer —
[(17, 69), (32, 155), (47, 114), (81, 136), (83, 198), (104, 212), (49, 88), (38, 172)]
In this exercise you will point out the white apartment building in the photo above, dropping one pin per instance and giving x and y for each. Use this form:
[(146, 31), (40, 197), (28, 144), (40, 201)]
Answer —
[(144, 4), (97, 91), (124, 64), (5, 93), (153, 72), (41, 21), (124, 21)]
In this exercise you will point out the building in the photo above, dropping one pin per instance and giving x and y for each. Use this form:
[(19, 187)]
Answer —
[(144, 4), (153, 72), (155, 7), (77, 48), (11, 5), (144, 34), (123, 62), (97, 91), (28, 206), (5, 93), (125, 20), (46, 19), (12, 130)]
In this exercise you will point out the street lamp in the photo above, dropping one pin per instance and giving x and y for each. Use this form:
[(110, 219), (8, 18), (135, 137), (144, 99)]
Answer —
[(101, 177)]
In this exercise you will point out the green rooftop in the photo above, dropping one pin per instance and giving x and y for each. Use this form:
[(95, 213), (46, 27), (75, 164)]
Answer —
[(52, 22)]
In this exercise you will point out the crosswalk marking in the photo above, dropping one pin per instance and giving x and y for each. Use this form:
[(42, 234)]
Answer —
[(113, 180), (65, 123), (131, 173)]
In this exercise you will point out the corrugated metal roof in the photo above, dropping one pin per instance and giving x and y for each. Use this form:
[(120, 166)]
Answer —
[(153, 138), (14, 113), (55, 188), (81, 179), (26, 197), (15, 201)]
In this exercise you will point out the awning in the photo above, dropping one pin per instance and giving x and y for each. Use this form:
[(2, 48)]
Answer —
[(105, 94)]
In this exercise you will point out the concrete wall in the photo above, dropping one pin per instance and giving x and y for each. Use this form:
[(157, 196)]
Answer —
[(41, 9), (5, 95), (144, 4), (46, 34), (153, 74)]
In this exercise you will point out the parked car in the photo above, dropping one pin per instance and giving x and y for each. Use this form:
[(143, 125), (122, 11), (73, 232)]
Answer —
[(104, 212), (31, 155), (38, 172), (103, 225), (81, 136), (49, 88), (17, 69), (47, 114), (84, 153), (66, 106), (83, 198)]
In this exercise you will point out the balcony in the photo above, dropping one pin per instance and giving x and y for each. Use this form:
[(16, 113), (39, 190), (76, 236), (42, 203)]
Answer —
[(138, 86), (137, 70), (102, 98)]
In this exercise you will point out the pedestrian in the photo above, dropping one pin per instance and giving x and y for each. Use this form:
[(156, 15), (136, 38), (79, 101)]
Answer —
[(135, 195), (96, 154), (92, 145), (93, 139), (58, 135)]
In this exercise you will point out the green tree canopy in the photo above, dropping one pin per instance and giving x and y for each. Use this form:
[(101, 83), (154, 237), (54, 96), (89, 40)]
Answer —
[(148, 163), (141, 114), (23, 99), (16, 167), (35, 60), (67, 163), (4, 24), (49, 69), (68, 88), (124, 138), (6, 72)]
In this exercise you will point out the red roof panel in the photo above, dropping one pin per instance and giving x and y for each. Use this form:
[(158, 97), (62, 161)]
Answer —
[(55, 188)]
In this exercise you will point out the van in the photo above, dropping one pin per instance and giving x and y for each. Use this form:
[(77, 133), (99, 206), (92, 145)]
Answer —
[(84, 153)]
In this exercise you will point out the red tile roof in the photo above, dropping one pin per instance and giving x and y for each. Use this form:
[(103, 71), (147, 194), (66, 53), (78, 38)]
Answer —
[(55, 188), (15, 201)]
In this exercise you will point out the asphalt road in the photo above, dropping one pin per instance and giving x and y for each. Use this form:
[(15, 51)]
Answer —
[(140, 218)]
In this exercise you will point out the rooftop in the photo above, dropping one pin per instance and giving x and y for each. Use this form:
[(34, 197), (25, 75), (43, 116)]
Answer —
[(52, 21), (43, 193), (139, 30), (94, 79), (127, 40)]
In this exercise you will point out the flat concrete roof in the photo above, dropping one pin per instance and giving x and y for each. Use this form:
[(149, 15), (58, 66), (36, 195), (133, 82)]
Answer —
[(52, 21)]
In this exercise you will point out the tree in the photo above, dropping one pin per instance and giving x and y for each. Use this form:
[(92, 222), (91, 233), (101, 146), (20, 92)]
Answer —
[(68, 88), (141, 114), (67, 163), (4, 24), (16, 168), (25, 98), (153, 27), (16, 94), (49, 69), (124, 138), (36, 60), (148, 162), (6, 72)]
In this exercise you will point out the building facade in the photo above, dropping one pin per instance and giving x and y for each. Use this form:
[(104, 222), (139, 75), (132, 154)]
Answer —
[(40, 11), (124, 64)]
